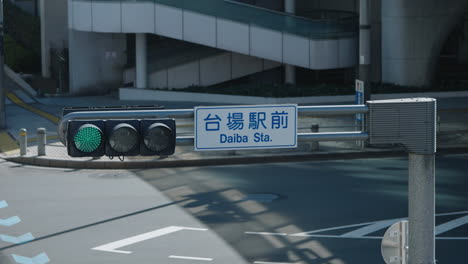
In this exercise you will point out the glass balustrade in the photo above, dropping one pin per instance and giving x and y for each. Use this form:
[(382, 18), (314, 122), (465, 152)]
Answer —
[(333, 25)]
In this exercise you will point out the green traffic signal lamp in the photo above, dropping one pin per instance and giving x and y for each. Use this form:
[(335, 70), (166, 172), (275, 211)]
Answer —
[(96, 138), (158, 137), (123, 138), (85, 138)]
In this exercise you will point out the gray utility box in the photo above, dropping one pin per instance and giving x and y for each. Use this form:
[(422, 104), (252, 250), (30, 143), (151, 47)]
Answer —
[(410, 122)]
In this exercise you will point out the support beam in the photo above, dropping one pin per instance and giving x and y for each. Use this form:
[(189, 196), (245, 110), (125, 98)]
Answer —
[(141, 61), (289, 70), (3, 123), (364, 46)]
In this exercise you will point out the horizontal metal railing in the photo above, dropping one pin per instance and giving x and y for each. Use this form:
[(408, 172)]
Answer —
[(315, 111)]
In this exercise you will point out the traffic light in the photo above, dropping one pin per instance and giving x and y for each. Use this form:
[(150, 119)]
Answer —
[(158, 137), (86, 138), (95, 138), (123, 138)]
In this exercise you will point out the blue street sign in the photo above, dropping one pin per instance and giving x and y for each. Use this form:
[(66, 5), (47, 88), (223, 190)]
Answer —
[(245, 127), (360, 98)]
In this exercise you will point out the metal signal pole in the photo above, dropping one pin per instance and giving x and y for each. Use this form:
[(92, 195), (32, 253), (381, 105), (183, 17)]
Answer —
[(2, 81)]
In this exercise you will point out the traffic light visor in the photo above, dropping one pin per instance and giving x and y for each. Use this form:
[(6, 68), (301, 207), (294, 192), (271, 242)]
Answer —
[(88, 138), (157, 137), (124, 138)]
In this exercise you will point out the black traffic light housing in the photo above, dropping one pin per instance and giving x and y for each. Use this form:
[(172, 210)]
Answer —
[(158, 137), (122, 137), (93, 145), (96, 138)]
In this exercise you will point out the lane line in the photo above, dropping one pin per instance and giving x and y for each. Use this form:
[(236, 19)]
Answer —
[(369, 229), (376, 237), (266, 233), (264, 262), (16, 100), (190, 258), (310, 233), (451, 225), (113, 246), (331, 229)]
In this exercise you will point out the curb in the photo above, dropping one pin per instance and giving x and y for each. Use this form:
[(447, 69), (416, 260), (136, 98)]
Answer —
[(158, 95), (75, 164)]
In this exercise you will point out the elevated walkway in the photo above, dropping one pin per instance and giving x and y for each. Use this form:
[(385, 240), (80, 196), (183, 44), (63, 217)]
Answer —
[(226, 25)]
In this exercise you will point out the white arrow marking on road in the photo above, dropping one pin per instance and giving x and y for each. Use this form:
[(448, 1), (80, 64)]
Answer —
[(3, 204), (39, 259), (112, 247), (190, 258), (451, 225)]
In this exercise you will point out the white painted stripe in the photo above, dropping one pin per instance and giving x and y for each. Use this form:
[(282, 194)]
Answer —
[(329, 229), (266, 233), (112, 247), (451, 225), (454, 213), (340, 236), (263, 262), (369, 229), (376, 237), (191, 258)]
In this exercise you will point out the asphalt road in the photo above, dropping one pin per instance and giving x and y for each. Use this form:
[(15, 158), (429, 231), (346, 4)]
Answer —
[(284, 200), (268, 213)]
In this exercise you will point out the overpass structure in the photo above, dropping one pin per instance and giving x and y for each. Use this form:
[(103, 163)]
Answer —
[(403, 43), (251, 39)]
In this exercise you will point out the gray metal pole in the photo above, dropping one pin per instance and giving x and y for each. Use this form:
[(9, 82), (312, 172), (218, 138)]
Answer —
[(314, 145), (41, 141), (421, 198), (289, 70), (2, 70), (364, 46)]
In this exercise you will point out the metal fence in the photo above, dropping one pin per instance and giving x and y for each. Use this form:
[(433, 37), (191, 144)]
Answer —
[(59, 69)]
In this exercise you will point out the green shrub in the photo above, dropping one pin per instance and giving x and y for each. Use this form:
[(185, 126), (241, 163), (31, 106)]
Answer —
[(22, 39), (19, 58)]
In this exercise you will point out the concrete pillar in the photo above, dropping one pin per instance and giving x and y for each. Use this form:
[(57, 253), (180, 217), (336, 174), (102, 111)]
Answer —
[(289, 70), (413, 33), (141, 61), (45, 46), (364, 46)]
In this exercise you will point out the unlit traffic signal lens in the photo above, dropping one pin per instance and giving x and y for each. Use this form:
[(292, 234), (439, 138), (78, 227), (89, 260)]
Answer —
[(124, 138), (88, 138), (157, 137)]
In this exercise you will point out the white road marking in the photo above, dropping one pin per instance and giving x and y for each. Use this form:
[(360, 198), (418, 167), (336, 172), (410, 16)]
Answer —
[(369, 229), (263, 262), (112, 247), (451, 225), (191, 258), (376, 225), (266, 233)]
